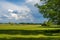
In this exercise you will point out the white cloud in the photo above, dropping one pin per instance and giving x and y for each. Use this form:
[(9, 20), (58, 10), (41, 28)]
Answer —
[(0, 19), (9, 8), (33, 1), (14, 16)]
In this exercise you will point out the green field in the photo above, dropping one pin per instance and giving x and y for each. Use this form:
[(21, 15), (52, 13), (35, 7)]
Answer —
[(28, 32)]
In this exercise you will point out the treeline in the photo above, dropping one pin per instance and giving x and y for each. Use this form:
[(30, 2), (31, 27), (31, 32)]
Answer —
[(23, 23)]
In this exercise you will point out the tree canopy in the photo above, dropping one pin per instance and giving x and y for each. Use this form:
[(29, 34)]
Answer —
[(51, 10)]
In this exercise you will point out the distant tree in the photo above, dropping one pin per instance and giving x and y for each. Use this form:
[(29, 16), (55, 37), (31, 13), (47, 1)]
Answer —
[(11, 23)]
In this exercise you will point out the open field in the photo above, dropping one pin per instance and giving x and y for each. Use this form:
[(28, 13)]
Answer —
[(28, 32), (25, 27)]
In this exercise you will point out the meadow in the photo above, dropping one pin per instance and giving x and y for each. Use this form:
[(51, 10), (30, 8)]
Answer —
[(29, 32)]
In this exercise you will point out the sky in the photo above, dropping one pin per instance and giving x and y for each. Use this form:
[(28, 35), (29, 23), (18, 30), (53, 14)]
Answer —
[(20, 11)]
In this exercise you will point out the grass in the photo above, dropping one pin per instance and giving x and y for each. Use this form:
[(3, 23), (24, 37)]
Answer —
[(26, 36), (24, 27), (28, 32)]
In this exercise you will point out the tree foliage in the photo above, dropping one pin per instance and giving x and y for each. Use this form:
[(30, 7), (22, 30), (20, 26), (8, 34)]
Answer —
[(51, 10)]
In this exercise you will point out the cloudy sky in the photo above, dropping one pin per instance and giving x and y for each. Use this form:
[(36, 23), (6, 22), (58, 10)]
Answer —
[(20, 11)]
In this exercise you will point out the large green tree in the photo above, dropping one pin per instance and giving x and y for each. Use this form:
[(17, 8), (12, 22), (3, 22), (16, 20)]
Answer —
[(51, 10)]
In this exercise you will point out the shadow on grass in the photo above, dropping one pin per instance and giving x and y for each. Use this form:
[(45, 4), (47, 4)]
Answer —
[(30, 39), (29, 32)]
